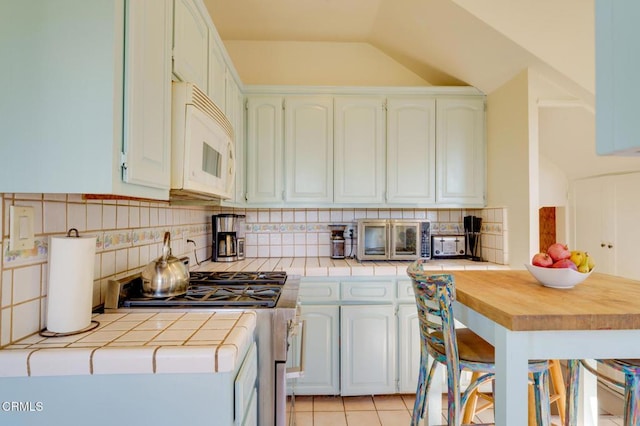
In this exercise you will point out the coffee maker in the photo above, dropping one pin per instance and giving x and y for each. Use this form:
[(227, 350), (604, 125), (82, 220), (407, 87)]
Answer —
[(225, 238)]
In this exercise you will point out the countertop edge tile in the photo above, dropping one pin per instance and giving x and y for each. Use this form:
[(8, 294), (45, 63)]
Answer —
[(13, 362), (60, 362), (123, 360)]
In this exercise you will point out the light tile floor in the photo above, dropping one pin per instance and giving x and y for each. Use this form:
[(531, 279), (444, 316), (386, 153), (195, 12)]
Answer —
[(380, 410)]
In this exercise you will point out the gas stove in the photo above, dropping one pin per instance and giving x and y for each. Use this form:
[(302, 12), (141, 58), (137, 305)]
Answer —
[(222, 289)]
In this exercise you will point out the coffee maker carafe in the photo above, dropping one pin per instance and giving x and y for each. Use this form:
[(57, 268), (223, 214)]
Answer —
[(225, 240), (337, 241)]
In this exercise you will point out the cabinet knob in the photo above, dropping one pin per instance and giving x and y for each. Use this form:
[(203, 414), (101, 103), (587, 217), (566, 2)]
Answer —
[(610, 245), (602, 244)]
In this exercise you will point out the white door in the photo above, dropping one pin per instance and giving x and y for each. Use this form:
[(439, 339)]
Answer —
[(368, 349), (308, 148), (624, 225), (147, 103), (359, 157), (460, 151), (593, 219), (264, 149), (411, 150)]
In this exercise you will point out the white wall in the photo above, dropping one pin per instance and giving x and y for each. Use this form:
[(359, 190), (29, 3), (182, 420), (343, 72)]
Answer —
[(508, 163)]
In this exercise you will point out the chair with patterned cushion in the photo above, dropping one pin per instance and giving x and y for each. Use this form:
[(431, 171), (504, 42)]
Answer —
[(457, 349), (631, 370)]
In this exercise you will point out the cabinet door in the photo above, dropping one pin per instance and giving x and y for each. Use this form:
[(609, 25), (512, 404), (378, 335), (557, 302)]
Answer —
[(368, 349), (264, 149), (321, 352), (411, 150), (190, 44), (308, 148), (460, 152), (234, 110), (217, 74), (147, 104), (408, 348), (359, 159)]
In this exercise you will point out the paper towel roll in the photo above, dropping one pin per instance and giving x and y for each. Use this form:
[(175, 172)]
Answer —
[(70, 295)]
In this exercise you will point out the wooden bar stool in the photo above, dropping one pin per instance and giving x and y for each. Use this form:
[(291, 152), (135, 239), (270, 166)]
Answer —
[(479, 402), (457, 349)]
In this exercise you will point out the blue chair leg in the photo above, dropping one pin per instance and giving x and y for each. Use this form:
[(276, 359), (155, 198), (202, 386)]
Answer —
[(541, 392), (573, 385), (631, 399)]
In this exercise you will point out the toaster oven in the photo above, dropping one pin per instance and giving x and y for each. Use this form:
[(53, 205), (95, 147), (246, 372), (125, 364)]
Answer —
[(393, 239)]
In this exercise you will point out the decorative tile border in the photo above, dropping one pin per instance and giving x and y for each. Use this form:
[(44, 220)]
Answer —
[(38, 254)]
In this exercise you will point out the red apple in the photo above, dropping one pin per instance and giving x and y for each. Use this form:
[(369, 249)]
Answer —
[(542, 259), (558, 251), (565, 263)]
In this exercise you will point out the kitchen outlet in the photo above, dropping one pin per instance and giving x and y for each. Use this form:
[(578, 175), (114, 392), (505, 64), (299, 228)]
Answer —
[(21, 228)]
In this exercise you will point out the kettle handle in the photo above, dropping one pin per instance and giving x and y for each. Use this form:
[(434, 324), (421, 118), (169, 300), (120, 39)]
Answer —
[(166, 250)]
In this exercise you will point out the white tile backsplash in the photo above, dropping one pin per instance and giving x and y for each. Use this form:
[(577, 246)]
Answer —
[(113, 222), (129, 236)]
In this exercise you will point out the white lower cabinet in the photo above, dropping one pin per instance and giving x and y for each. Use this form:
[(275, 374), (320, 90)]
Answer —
[(321, 352), (408, 348), (362, 337), (368, 350), (245, 391)]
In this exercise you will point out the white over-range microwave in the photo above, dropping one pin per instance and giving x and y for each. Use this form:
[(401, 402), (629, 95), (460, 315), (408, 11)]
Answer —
[(393, 239), (202, 146)]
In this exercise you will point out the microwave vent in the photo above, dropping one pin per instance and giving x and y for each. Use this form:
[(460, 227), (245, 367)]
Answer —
[(200, 100)]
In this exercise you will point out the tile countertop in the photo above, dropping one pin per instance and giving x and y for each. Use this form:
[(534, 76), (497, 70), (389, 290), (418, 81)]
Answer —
[(327, 267), (138, 343)]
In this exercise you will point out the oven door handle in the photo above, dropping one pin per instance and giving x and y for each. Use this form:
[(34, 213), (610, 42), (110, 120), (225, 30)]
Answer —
[(297, 372)]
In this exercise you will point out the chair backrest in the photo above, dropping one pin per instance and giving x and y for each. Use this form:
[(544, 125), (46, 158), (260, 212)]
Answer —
[(435, 294)]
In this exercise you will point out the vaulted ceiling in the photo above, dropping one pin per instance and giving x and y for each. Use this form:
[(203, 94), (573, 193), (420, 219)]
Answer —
[(446, 42)]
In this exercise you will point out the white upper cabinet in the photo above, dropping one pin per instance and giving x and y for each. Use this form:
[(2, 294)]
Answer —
[(217, 75), (411, 150), (89, 101), (147, 103), (234, 110), (460, 152), (359, 158), (402, 149), (308, 148), (617, 64), (264, 157), (190, 44)]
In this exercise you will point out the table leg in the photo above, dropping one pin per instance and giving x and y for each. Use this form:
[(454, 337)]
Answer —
[(434, 399), (511, 401)]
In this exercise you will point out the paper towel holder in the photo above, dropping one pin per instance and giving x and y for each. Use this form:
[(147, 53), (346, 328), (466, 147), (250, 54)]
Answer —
[(94, 324)]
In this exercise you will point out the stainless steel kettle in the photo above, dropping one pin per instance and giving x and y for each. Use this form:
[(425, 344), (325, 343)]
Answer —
[(166, 276)]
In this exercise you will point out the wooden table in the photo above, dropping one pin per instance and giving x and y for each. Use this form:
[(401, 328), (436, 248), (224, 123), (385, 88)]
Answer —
[(599, 318)]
